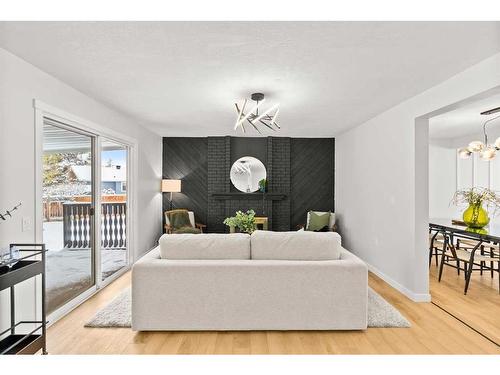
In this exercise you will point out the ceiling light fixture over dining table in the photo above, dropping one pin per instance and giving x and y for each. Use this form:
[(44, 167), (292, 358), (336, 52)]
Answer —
[(486, 150)]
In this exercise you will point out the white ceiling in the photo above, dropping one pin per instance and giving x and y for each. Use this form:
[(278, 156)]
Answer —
[(466, 120), (182, 78)]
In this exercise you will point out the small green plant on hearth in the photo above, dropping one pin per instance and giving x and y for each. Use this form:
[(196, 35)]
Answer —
[(262, 185), (244, 221)]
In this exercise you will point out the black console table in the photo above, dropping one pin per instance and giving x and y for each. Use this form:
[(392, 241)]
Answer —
[(30, 264)]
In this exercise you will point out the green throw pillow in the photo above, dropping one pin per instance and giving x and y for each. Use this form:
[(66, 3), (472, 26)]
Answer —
[(179, 219), (318, 222), (187, 230)]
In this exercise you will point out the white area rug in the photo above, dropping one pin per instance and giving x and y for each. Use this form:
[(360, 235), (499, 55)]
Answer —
[(118, 313), (381, 314)]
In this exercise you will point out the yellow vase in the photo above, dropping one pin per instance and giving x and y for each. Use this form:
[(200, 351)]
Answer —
[(476, 216)]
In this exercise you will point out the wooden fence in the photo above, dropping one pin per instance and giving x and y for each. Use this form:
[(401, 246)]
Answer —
[(53, 211), (77, 225)]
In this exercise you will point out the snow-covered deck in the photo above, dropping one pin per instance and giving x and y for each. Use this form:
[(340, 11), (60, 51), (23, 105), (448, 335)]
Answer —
[(69, 270)]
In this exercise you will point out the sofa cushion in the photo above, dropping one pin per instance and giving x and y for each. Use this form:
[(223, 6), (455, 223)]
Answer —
[(205, 246), (300, 245)]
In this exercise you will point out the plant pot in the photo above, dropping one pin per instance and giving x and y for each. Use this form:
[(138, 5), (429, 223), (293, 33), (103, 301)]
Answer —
[(476, 216), (232, 229)]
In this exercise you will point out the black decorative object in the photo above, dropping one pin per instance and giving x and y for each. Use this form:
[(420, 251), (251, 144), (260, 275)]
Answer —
[(8, 213), (30, 265)]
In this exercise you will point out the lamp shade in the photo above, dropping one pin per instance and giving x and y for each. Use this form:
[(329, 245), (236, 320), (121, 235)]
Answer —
[(171, 186)]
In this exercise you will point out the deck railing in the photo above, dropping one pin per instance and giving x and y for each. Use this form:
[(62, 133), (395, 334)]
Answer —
[(77, 225)]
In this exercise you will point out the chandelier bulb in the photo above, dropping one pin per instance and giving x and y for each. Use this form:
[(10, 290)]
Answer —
[(476, 146), (497, 143), (464, 153), (488, 154)]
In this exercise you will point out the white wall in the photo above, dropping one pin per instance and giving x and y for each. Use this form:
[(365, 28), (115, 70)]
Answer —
[(442, 181), (382, 181), (20, 83)]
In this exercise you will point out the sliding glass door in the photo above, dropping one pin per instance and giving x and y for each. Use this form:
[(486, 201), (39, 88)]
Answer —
[(114, 179), (68, 208), (81, 170)]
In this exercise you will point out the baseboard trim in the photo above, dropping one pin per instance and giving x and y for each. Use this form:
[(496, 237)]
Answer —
[(415, 297)]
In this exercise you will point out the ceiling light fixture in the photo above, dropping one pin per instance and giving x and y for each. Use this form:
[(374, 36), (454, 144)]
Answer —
[(267, 118), (486, 151)]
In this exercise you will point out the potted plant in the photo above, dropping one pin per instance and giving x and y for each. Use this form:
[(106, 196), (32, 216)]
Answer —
[(243, 221), (262, 185), (475, 216), (231, 223)]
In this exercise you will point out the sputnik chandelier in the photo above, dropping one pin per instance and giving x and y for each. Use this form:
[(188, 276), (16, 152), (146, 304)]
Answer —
[(486, 151), (255, 118)]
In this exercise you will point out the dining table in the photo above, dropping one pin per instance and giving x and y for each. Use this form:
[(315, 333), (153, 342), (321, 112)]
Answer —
[(455, 229)]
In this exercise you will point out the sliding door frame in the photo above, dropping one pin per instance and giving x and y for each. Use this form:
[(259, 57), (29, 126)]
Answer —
[(84, 126), (102, 283)]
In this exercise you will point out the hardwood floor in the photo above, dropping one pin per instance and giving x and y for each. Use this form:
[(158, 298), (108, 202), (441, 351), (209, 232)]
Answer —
[(480, 308), (432, 331)]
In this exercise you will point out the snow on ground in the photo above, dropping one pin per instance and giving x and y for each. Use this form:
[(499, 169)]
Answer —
[(69, 270), (70, 265), (53, 235)]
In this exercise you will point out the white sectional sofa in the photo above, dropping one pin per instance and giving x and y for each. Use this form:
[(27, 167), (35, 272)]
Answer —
[(267, 281)]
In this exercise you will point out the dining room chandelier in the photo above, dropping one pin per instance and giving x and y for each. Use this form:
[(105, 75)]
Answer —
[(487, 151), (255, 116)]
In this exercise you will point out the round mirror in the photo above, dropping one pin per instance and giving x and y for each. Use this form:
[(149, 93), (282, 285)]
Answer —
[(246, 173)]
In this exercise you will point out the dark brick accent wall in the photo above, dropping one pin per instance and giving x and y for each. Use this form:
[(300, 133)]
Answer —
[(278, 156), (218, 155), (300, 168)]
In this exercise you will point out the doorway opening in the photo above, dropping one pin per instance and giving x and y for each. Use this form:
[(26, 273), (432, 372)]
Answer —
[(465, 281)]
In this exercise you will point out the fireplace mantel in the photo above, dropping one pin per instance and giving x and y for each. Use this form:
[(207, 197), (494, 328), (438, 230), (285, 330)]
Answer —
[(249, 196)]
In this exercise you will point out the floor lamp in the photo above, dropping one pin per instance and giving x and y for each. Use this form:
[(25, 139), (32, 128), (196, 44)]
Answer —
[(170, 186)]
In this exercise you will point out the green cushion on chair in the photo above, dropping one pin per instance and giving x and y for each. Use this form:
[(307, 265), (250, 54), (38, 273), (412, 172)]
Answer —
[(318, 222), (179, 219), (187, 230)]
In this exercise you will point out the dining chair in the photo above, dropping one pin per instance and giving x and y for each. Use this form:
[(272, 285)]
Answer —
[(436, 243), (471, 253)]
